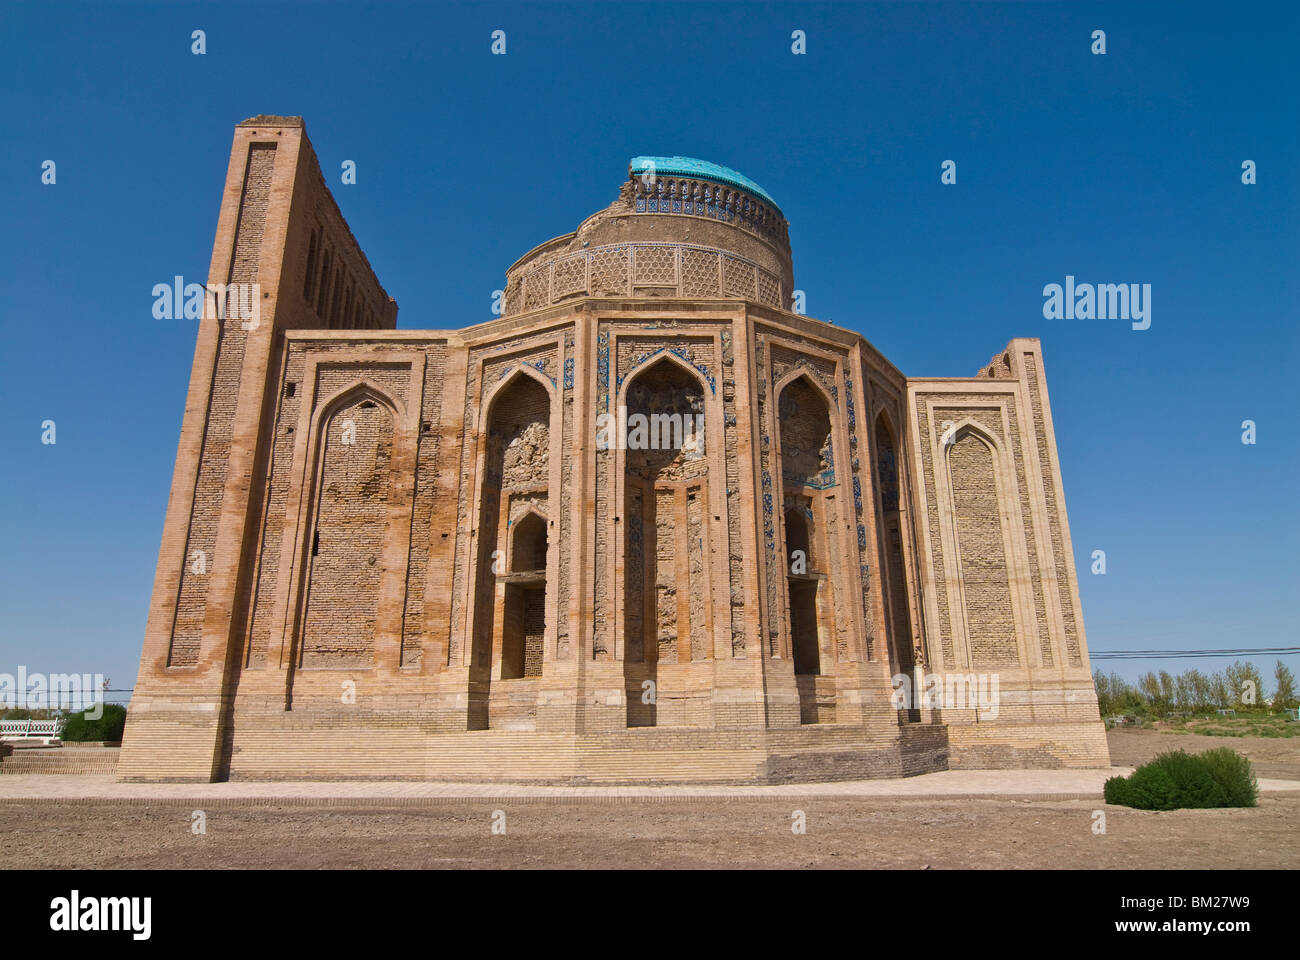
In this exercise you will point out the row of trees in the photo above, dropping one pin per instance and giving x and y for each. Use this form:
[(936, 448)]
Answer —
[(108, 726), (1240, 686)]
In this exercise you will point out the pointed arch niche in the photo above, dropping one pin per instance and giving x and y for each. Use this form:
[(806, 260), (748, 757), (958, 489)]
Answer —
[(977, 490), (665, 503), (513, 576), (808, 485), (353, 496)]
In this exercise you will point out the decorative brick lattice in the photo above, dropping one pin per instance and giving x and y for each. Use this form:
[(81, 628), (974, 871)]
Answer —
[(534, 627), (618, 269), (738, 278), (514, 296), (536, 289), (570, 276), (609, 268), (655, 264), (699, 273)]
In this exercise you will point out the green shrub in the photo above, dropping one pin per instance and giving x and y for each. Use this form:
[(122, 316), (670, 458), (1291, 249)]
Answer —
[(1233, 773), (1180, 780), (108, 727)]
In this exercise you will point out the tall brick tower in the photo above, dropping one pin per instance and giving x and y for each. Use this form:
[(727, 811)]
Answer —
[(277, 225)]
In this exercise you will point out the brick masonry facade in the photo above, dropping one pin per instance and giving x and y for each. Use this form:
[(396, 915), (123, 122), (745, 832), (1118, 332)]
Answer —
[(422, 554)]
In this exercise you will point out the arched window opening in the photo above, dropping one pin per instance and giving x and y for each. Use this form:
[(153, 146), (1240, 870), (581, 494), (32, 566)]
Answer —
[(528, 552)]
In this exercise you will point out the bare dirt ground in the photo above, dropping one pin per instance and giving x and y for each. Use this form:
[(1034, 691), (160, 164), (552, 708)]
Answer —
[(1270, 756), (693, 832), (863, 833)]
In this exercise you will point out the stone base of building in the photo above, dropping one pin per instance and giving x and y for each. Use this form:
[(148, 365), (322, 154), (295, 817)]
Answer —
[(286, 747), (1028, 746)]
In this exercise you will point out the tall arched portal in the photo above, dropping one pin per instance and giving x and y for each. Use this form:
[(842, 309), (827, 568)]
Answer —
[(665, 498), (808, 483), (509, 623)]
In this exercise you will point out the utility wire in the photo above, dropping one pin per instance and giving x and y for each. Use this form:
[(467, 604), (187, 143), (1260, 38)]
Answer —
[(1190, 654)]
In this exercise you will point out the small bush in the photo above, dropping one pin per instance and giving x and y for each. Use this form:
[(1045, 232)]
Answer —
[(108, 727), (1180, 780), (1233, 773)]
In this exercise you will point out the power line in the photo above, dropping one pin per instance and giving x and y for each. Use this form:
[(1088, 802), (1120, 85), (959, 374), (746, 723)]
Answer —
[(1190, 654)]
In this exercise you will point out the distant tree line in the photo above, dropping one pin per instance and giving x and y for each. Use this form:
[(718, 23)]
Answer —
[(1239, 686), (108, 726)]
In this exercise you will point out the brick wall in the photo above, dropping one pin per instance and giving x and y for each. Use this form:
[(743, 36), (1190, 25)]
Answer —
[(986, 587)]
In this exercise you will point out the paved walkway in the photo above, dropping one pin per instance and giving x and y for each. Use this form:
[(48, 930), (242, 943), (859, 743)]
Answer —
[(1038, 784)]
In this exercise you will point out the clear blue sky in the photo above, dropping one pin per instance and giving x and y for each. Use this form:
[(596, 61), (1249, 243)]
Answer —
[(1117, 168)]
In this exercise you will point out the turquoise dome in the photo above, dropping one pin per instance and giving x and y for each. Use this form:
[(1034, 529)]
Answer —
[(690, 167)]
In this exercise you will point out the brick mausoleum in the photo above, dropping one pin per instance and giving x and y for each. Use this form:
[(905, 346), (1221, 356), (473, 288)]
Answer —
[(429, 554)]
